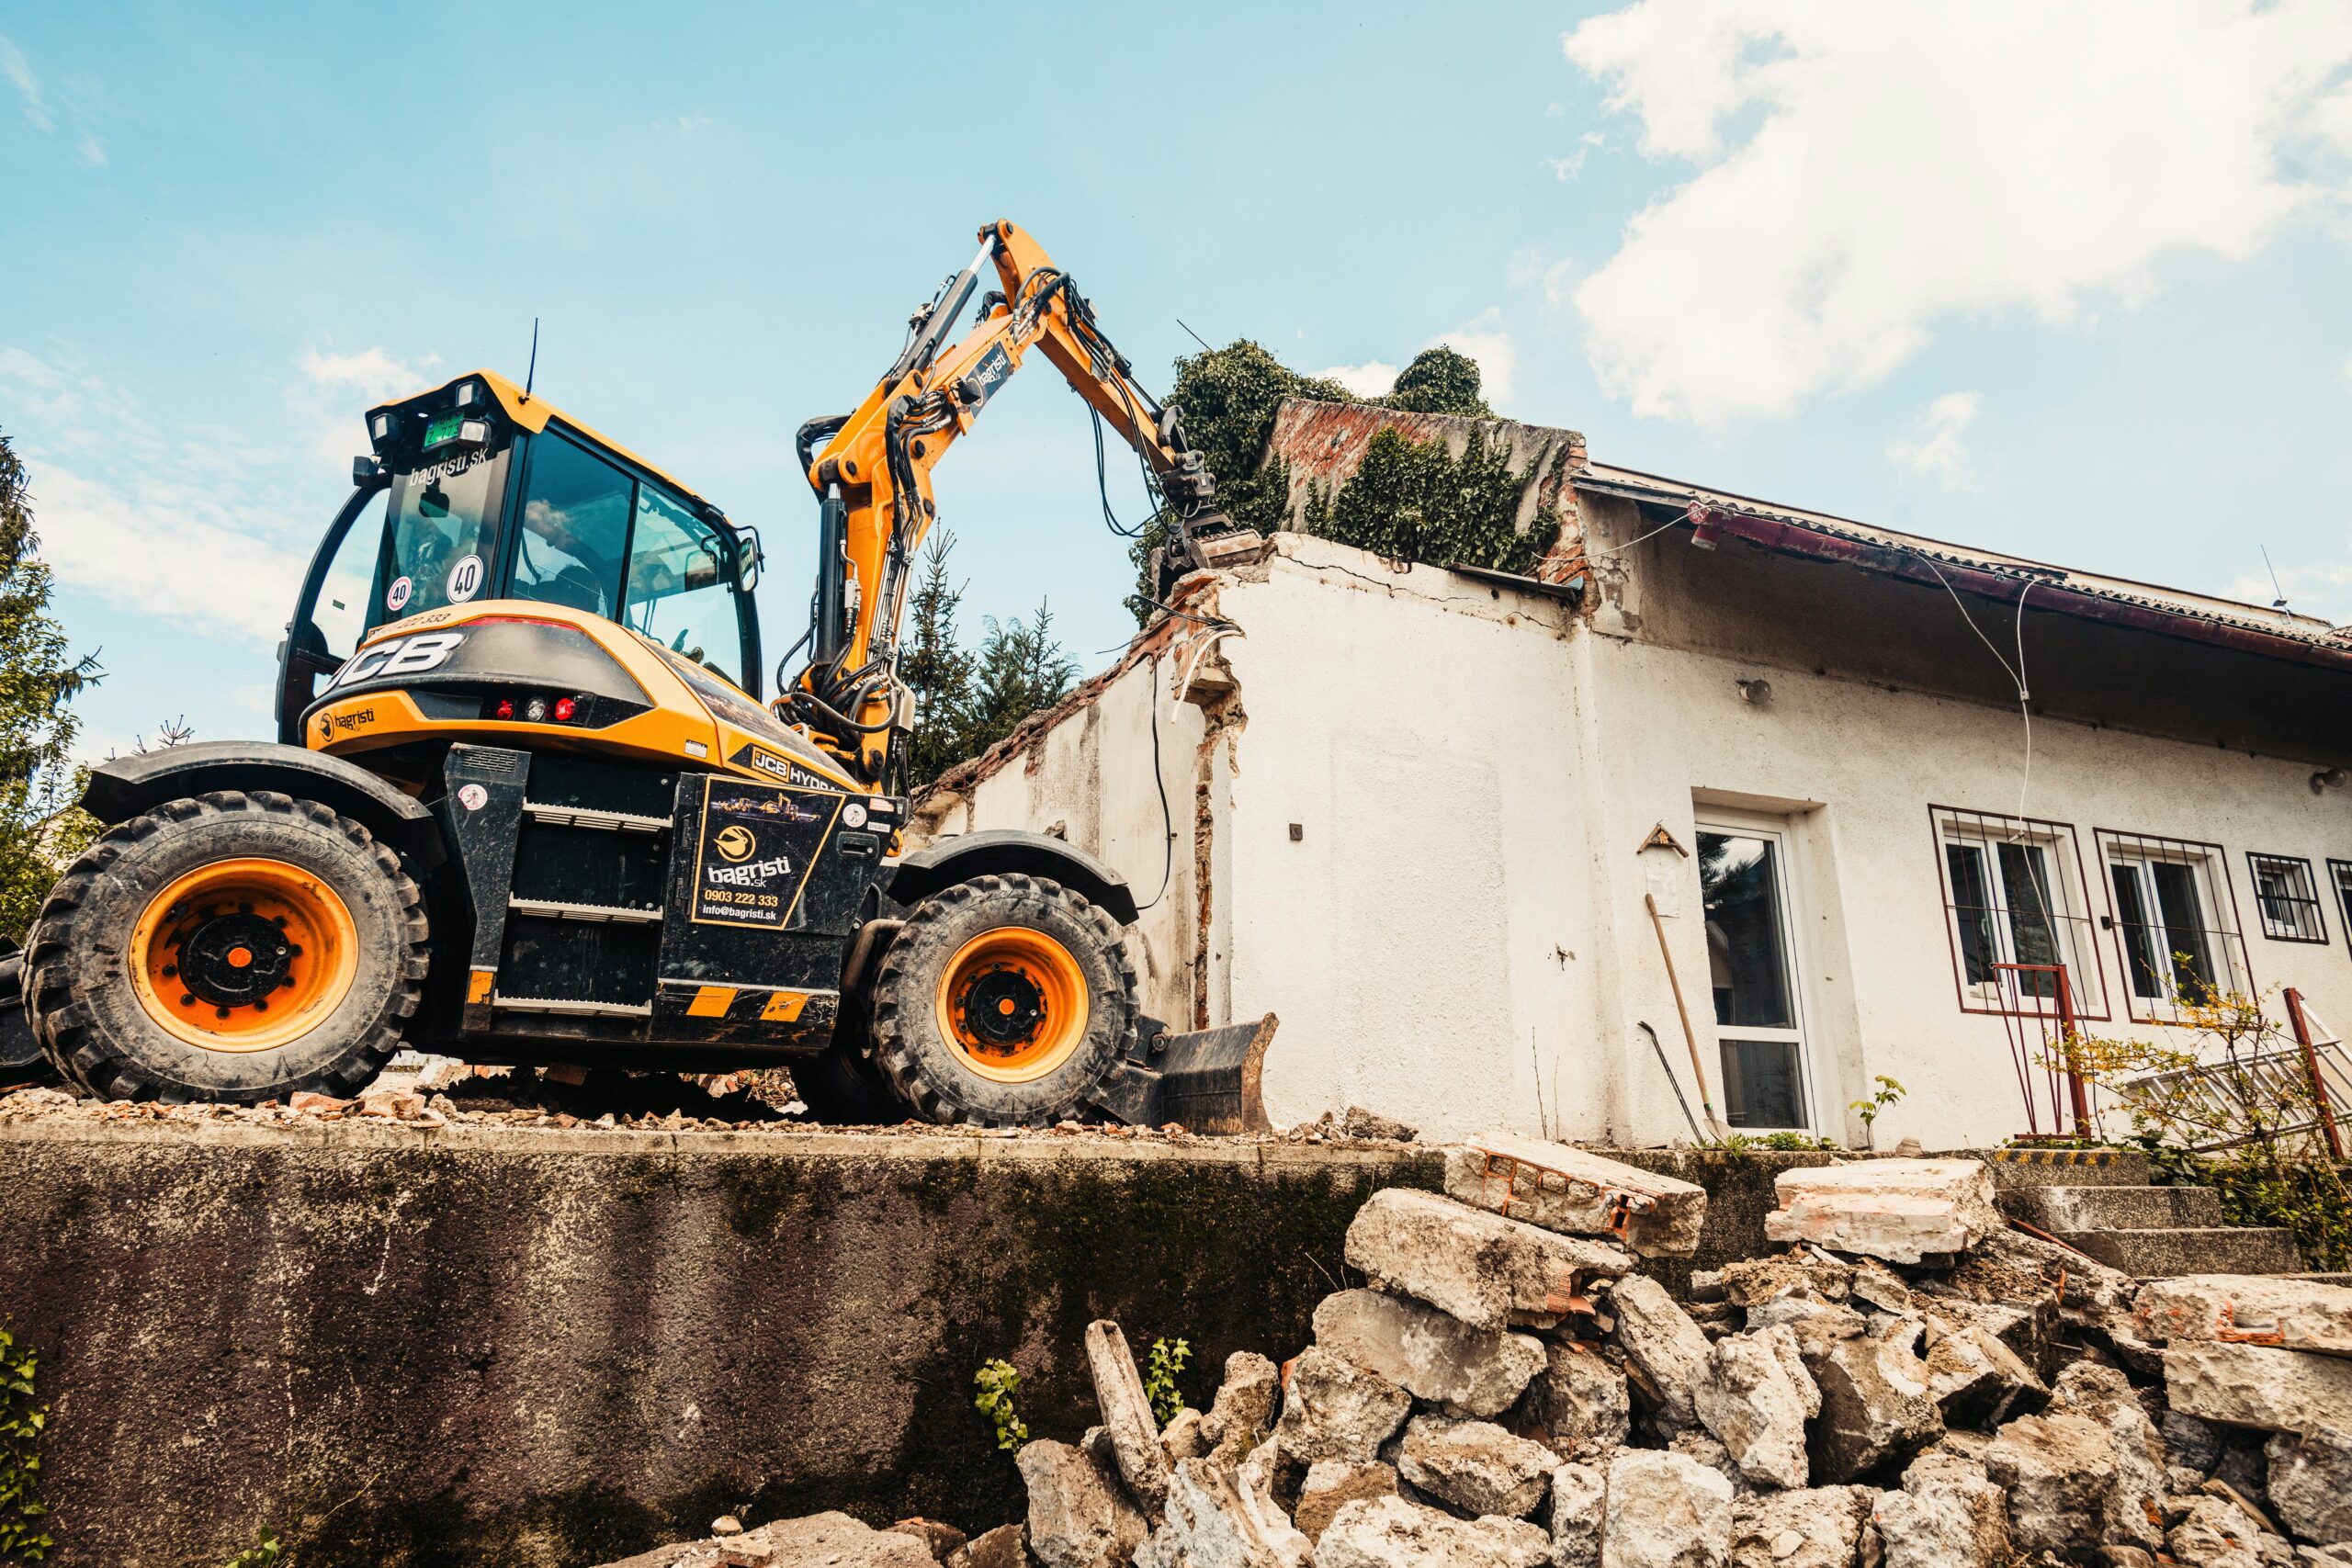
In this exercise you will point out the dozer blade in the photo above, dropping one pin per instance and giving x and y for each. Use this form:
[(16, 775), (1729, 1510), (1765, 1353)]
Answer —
[(1207, 1081)]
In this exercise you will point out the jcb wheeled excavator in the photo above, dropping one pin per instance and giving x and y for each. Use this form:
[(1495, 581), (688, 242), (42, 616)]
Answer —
[(527, 805)]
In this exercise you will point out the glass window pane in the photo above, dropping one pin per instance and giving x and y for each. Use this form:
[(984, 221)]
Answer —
[(2025, 884), (680, 592), (2139, 940), (435, 524), (1972, 907), (2184, 923), (2342, 873), (333, 630), (1763, 1084), (1740, 877), (575, 529)]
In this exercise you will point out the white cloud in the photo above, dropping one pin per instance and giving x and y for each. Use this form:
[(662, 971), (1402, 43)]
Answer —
[(1568, 168), (92, 151), (2311, 588), (19, 72), (1868, 172), (1484, 339), (374, 373), (1936, 446), (1372, 378)]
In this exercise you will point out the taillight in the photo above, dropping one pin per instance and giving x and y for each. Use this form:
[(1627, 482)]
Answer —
[(539, 707), (564, 708), (505, 709)]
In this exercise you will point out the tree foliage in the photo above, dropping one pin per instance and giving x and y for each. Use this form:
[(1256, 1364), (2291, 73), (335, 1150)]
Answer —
[(967, 700), (40, 830), (1411, 500)]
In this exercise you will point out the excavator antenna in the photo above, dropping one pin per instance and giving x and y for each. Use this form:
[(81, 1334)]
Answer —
[(531, 374)]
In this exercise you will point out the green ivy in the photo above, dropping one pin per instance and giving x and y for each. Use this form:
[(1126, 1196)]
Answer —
[(21, 1421), (998, 1381), (266, 1552), (1165, 1365), (1414, 500)]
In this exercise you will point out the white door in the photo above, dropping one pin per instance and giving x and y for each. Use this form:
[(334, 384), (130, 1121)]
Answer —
[(1753, 974)]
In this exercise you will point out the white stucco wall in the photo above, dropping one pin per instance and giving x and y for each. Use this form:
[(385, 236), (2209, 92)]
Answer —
[(1458, 934)]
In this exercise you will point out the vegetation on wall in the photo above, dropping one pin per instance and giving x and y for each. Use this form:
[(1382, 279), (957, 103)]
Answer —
[(1411, 500), (968, 699), (21, 1420)]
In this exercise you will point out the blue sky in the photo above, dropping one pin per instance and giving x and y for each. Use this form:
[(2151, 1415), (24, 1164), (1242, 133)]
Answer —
[(2064, 276)]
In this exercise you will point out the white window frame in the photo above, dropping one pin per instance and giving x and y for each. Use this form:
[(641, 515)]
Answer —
[(1793, 954), (2210, 872), (2071, 921), (2257, 863)]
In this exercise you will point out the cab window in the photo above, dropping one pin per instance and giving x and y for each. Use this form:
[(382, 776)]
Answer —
[(574, 529), (680, 586), (433, 536)]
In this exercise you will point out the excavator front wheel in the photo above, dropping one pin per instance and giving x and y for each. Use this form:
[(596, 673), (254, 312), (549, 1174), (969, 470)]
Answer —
[(235, 947), (1003, 1001)]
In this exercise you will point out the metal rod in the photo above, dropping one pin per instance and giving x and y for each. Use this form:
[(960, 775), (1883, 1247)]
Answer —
[(2310, 1070), (2074, 1090)]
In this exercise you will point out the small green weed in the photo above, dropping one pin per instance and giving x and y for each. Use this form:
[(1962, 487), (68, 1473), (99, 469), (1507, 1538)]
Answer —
[(21, 1421), (267, 1550), (998, 1383), (1888, 1093), (1166, 1363)]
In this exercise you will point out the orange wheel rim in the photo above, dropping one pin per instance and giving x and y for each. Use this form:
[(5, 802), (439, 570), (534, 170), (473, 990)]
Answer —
[(1012, 1004), (244, 955)]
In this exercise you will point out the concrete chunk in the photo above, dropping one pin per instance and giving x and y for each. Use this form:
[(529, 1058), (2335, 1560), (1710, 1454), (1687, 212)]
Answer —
[(2248, 1309), (1975, 1378), (1819, 1527), (1579, 1507), (1664, 1349), (1474, 1465), (2252, 1385), (1947, 1514), (2059, 1473), (1580, 1403), (1216, 1519), (1664, 1511), (1874, 1404), (791, 1543), (1577, 1192), (1128, 1419), (1465, 1372), (1388, 1532), (1079, 1515), (2105, 1396), (1755, 1396), (2311, 1481), (1243, 1411), (1487, 1270), (1334, 1409), (1901, 1209), (1331, 1484)]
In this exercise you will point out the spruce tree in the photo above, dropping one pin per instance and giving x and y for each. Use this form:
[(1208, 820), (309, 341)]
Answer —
[(938, 669), (1022, 669), (40, 830)]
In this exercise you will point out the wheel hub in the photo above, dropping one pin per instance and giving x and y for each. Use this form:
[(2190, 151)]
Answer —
[(234, 958), (1002, 1008)]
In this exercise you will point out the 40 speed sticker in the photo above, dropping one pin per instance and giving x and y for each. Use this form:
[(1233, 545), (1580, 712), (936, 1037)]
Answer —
[(755, 849)]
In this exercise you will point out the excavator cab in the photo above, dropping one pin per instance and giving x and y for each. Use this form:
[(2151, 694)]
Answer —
[(476, 491)]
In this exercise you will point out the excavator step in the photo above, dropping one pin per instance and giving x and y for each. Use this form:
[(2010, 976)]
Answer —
[(581, 817)]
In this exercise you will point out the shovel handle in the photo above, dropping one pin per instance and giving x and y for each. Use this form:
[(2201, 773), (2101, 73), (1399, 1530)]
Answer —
[(1683, 1010)]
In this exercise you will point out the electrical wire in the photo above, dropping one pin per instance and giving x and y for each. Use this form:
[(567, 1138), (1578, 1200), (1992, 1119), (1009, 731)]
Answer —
[(1160, 782), (1651, 535)]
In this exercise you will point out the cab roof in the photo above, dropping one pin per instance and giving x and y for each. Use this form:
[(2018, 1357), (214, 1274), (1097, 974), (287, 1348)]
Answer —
[(532, 413)]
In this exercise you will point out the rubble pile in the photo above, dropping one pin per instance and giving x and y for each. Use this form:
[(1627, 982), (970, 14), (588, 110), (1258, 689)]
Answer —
[(1912, 1384)]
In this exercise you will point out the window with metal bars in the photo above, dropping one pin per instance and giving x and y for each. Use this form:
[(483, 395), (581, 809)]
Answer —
[(2287, 898), (2340, 873), (2176, 918), (2016, 911)]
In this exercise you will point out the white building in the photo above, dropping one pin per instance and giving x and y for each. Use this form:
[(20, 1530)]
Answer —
[(1418, 812)]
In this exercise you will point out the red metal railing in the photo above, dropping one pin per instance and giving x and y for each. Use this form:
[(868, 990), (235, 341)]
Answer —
[(2037, 1011)]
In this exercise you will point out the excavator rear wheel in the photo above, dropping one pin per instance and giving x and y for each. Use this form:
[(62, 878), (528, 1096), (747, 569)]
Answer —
[(234, 947), (1003, 1001)]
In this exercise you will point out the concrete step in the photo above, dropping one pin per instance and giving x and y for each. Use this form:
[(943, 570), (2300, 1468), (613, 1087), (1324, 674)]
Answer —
[(2063, 1167), (2201, 1250), (2114, 1208)]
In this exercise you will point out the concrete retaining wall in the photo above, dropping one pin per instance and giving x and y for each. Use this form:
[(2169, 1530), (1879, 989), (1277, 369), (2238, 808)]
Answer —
[(498, 1347)]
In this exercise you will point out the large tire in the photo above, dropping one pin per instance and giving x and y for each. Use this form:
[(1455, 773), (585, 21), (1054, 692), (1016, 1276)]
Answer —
[(18, 1049), (235, 947), (1003, 1001)]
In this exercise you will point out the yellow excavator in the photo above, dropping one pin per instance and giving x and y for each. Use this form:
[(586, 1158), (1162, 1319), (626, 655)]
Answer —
[(527, 805)]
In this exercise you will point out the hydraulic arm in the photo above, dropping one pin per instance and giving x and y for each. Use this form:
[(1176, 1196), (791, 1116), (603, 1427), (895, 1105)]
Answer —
[(872, 476)]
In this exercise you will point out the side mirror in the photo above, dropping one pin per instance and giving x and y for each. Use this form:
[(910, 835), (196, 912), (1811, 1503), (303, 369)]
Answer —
[(749, 558), (368, 472)]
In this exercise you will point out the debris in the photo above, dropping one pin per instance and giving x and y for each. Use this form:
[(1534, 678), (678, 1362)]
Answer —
[(1474, 1465), (1357, 1123), (1820, 1528), (1181, 1438), (1487, 1270), (2216, 1534), (2104, 1395), (2311, 1481), (1216, 1521), (1388, 1532), (2060, 1476), (1243, 1411), (1664, 1511), (726, 1524), (1874, 1404), (1974, 1377), (1576, 1193), (1579, 1401), (2248, 1309), (834, 1538), (1947, 1514), (1334, 1409), (2252, 1385), (1901, 1209), (943, 1540), (1579, 1507), (1663, 1348), (1756, 1396), (1751, 1282), (1128, 1419), (1462, 1371), (1007, 1546), (1079, 1515), (1331, 1484)]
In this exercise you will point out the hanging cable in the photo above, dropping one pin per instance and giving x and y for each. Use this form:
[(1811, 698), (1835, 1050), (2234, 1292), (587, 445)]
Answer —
[(1160, 782)]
